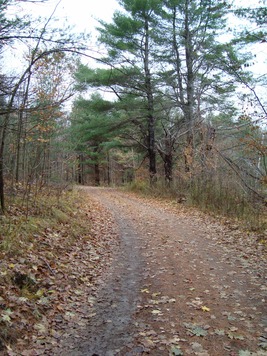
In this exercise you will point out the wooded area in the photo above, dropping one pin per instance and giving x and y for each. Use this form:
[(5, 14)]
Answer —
[(172, 101)]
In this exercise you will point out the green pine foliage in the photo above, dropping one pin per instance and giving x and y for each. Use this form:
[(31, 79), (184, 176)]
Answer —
[(177, 69)]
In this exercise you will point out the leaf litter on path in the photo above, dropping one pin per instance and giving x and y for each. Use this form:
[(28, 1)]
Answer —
[(201, 289), (198, 283)]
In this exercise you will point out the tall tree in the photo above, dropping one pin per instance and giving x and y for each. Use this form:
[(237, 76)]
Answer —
[(129, 42), (195, 80), (94, 132)]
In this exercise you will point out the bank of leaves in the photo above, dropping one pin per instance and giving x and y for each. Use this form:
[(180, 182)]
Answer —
[(49, 264)]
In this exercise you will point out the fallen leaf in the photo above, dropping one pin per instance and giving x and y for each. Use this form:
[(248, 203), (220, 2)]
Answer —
[(244, 353), (6, 318), (220, 332), (172, 300), (156, 294), (196, 347), (156, 312), (41, 328), (148, 343), (145, 290), (205, 309), (263, 342), (233, 336), (196, 330), (175, 351)]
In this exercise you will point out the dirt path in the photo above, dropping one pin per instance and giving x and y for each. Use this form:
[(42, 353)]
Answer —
[(180, 284), (111, 326)]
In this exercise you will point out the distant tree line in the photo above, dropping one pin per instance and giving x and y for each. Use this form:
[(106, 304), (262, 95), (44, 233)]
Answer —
[(181, 107)]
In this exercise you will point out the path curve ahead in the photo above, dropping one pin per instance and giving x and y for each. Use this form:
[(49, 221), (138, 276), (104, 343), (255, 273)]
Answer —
[(180, 284)]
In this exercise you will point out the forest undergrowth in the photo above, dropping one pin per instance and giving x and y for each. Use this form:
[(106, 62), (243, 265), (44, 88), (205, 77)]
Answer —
[(52, 248), (224, 202)]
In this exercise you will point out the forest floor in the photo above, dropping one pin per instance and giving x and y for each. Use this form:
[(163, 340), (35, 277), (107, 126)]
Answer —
[(171, 281)]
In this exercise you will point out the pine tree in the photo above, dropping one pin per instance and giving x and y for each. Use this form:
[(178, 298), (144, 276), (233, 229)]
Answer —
[(94, 131), (190, 64), (129, 42)]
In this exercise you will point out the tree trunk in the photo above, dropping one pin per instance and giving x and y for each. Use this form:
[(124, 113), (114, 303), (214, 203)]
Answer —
[(108, 168), (152, 151), (168, 166), (80, 169), (189, 154), (150, 108), (97, 174), (2, 195), (2, 147), (189, 107), (177, 62), (17, 161)]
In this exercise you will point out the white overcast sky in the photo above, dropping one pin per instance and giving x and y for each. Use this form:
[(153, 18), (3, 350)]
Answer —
[(83, 15), (83, 12)]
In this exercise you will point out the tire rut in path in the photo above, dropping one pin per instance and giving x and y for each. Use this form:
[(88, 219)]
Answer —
[(111, 327)]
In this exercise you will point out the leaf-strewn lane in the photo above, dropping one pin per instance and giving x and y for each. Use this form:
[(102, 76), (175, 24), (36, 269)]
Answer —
[(190, 287)]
